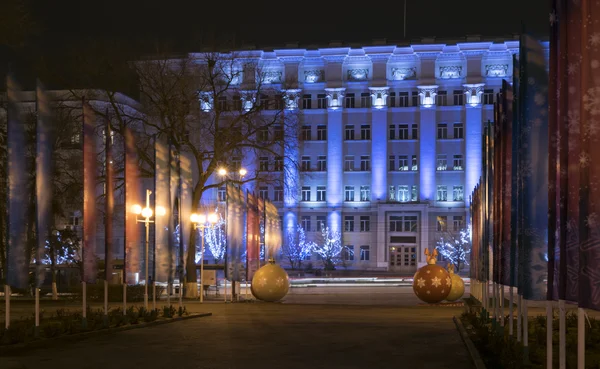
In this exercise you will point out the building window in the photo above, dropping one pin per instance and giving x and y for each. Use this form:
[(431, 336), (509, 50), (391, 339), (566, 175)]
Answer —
[(403, 99), (321, 133), (458, 162), (365, 132), (263, 192), (415, 131), (278, 133), (222, 103), (442, 193), (221, 194), (442, 98), (442, 162), (457, 193), (410, 223), (306, 101), (413, 193), (349, 101), (263, 164), (236, 163), (236, 103), (306, 223), (321, 193), (365, 223), (263, 102), (365, 100), (349, 223), (321, 163), (442, 223), (395, 223), (321, 101), (305, 163), (278, 167), (348, 253), (414, 165), (415, 98), (365, 253), (263, 135), (73, 219), (278, 194), (365, 163), (306, 133), (349, 132), (321, 222), (488, 97), (458, 130), (458, 223), (392, 99), (403, 195), (403, 163), (442, 131), (305, 193), (459, 97), (392, 163), (349, 193), (403, 132), (392, 193), (392, 131), (349, 163), (365, 193)]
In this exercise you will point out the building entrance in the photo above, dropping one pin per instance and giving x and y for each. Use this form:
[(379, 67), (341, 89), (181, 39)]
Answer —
[(403, 258)]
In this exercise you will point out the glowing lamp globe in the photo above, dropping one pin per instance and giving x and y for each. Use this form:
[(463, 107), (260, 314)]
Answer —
[(432, 283), (458, 285), (270, 283)]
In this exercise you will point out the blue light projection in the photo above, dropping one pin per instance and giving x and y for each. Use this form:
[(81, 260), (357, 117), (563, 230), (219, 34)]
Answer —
[(427, 148), (378, 155), (334, 158), (290, 158), (472, 148), (335, 221)]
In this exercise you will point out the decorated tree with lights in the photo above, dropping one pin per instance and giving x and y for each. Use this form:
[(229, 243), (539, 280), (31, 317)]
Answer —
[(215, 238), (455, 247), (330, 248), (297, 248), (62, 248)]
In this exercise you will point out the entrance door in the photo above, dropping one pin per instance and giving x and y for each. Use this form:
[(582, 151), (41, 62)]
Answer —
[(403, 258)]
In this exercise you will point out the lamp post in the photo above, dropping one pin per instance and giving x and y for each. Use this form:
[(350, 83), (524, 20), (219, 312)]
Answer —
[(203, 221), (146, 214)]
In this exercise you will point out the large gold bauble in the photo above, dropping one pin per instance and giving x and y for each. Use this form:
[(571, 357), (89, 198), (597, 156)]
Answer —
[(270, 283), (458, 288), (432, 283)]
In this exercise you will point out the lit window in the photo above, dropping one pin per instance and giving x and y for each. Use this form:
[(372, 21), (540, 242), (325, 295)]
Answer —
[(457, 193), (442, 223), (349, 163), (349, 223), (442, 193), (321, 193), (403, 194), (349, 193), (442, 162), (263, 192), (458, 162), (365, 193)]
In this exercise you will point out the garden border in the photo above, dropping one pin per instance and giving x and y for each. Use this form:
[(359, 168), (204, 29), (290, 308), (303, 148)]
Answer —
[(475, 357), (6, 349)]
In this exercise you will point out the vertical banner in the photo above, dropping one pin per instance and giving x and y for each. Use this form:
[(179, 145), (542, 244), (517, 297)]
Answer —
[(515, 181), (109, 202), (235, 232), (172, 210), (16, 261), (260, 202), (132, 243), (185, 208), (589, 193), (162, 196), (253, 237), (90, 267), (272, 231), (43, 179), (534, 168), (507, 163)]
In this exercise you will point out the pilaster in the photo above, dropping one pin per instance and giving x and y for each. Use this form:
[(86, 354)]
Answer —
[(291, 151), (473, 132), (335, 152), (379, 143), (427, 142)]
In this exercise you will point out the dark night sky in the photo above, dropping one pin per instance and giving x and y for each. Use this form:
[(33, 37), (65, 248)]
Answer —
[(274, 24)]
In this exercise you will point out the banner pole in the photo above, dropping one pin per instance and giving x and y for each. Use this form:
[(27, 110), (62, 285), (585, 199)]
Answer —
[(502, 305), (124, 298), (519, 314), (562, 335), (153, 295), (580, 338), (169, 295), (105, 298), (7, 306), (510, 311), (549, 334), (84, 313), (525, 333), (37, 312)]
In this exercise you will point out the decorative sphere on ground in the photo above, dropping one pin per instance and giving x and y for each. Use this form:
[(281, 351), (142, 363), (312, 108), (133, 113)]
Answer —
[(432, 283), (458, 286), (270, 282)]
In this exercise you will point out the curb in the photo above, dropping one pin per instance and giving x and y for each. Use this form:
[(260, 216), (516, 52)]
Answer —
[(5, 349), (475, 357)]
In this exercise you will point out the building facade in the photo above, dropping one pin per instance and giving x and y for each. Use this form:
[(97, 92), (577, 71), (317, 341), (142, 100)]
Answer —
[(389, 144)]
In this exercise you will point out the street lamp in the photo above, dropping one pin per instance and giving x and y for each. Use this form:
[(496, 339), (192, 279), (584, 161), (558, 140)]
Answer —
[(203, 221), (146, 214)]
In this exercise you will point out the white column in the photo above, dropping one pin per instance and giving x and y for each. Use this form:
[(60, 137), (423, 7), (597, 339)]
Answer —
[(427, 143), (473, 132), (335, 152), (291, 176), (379, 143)]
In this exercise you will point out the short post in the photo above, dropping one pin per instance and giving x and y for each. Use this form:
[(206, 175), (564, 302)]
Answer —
[(124, 298), (562, 335), (105, 318), (519, 316), (84, 314), (525, 333), (549, 318), (510, 311), (37, 312), (7, 306), (169, 296), (580, 338), (153, 295)]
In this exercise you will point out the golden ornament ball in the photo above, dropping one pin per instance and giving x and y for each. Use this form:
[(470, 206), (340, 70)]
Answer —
[(270, 283), (458, 285), (432, 283)]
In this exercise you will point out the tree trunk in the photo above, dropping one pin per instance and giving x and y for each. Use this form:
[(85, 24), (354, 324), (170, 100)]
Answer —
[(191, 279), (54, 290)]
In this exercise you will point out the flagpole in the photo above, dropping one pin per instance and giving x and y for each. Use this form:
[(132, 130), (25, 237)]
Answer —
[(510, 312), (549, 334), (6, 306), (562, 336)]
